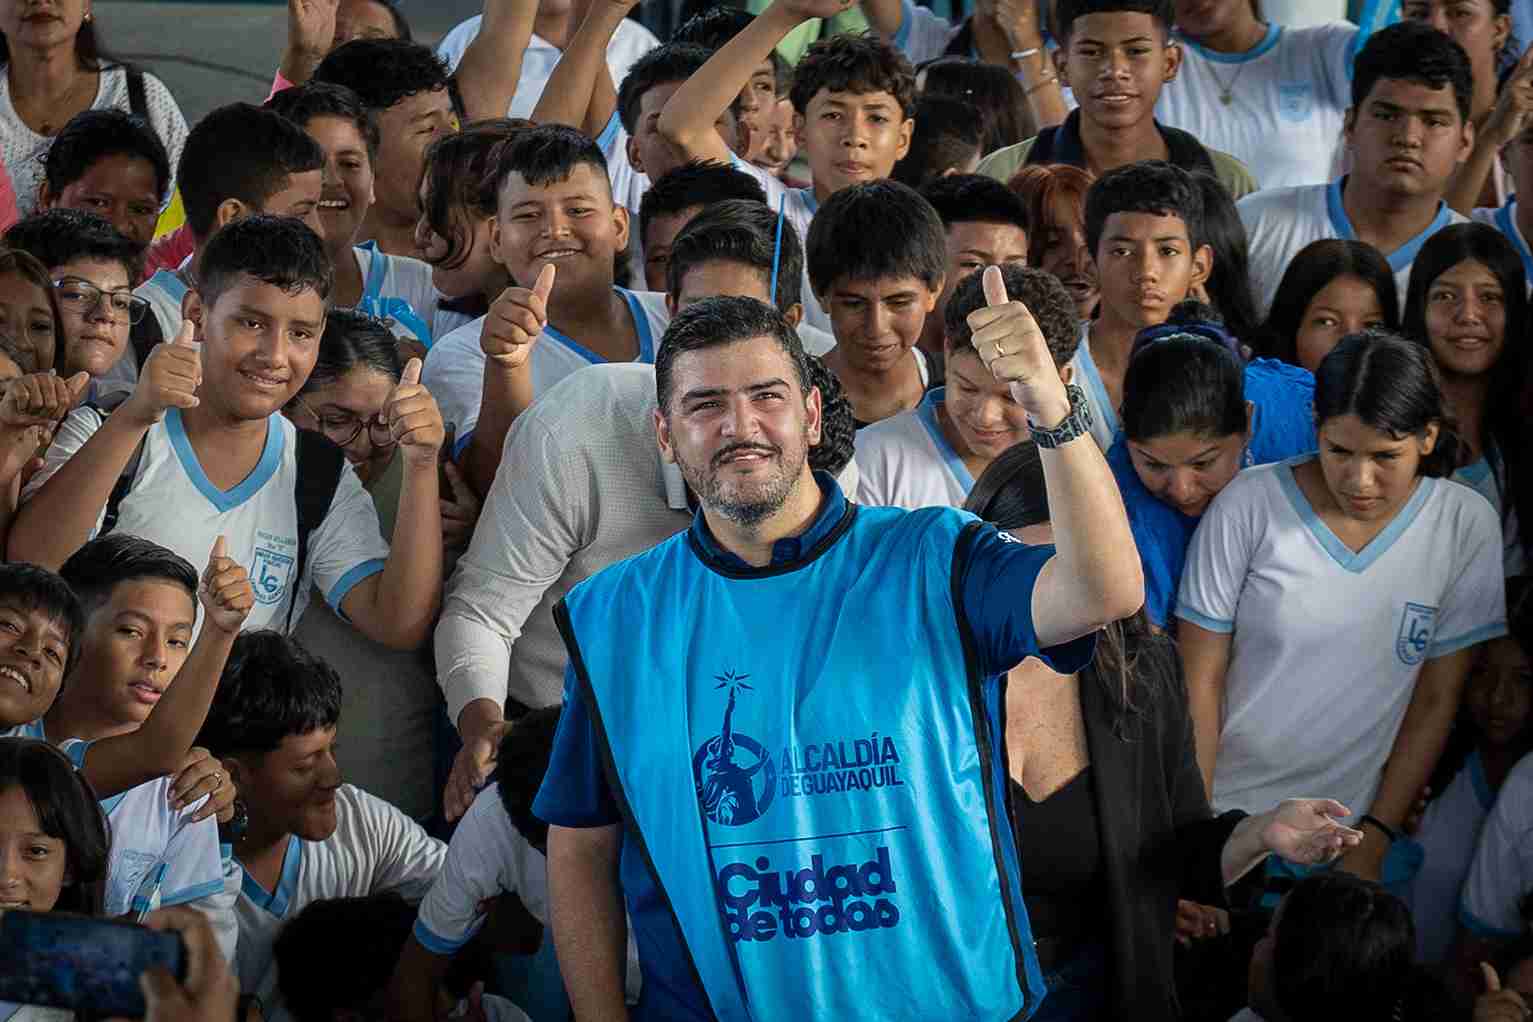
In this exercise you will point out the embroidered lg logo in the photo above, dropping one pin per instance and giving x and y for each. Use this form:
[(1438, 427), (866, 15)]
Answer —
[(128, 874), (269, 574), (734, 774), (1295, 101), (1416, 625)]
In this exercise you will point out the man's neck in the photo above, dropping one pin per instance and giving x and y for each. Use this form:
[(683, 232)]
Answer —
[(1465, 397), (1109, 148), (596, 318), (218, 439), (753, 543), (1387, 219), (263, 854), (394, 235), (43, 73), (1240, 36), (73, 718), (1111, 341)]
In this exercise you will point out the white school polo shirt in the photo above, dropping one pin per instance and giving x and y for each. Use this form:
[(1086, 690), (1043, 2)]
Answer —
[(906, 461)]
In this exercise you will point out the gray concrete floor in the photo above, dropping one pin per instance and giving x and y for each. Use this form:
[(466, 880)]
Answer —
[(211, 54)]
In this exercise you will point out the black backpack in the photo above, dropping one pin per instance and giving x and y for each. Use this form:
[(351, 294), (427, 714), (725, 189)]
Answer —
[(318, 474)]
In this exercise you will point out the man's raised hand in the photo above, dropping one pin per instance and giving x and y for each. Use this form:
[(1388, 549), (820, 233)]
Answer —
[(1014, 350)]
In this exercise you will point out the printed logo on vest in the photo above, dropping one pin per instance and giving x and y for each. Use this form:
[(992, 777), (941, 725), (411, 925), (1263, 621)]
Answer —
[(761, 904), (820, 768), (1416, 625), (269, 574), (734, 773), (1295, 101)]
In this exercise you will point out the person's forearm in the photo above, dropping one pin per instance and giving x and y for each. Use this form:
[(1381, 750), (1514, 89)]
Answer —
[(1204, 699), (567, 97), (1244, 849), (1043, 87), (590, 930), (480, 716), (1465, 186), (689, 116), (491, 66), (405, 596), (1423, 733), (472, 663), (505, 395), (417, 979), (60, 517), (885, 16)]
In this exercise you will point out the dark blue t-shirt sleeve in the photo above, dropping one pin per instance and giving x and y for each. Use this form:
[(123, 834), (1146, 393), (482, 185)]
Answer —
[(997, 589), (575, 791)]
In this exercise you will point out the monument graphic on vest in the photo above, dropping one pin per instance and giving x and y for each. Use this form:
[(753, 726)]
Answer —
[(734, 773)]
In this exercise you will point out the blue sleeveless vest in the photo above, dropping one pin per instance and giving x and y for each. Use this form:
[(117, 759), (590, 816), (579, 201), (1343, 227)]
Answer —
[(814, 771)]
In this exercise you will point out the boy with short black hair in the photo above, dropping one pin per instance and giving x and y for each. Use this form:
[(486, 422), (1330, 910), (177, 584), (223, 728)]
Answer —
[(1407, 132), (309, 836), (111, 163), (853, 97), (877, 260), (931, 455), (677, 197), (203, 434), (141, 607), (558, 232), (946, 141), (1116, 56), (986, 225), (1144, 225)]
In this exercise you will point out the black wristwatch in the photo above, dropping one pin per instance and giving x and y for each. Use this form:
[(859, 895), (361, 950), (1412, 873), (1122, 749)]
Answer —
[(1077, 423)]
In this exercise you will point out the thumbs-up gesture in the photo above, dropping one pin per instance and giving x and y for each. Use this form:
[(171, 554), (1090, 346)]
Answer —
[(516, 319), (414, 420), (1013, 349), (169, 379), (1496, 1004), (40, 399), (226, 594)]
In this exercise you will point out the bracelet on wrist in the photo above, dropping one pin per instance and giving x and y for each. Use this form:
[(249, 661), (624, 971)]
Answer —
[(1048, 79), (1024, 54), (1380, 825)]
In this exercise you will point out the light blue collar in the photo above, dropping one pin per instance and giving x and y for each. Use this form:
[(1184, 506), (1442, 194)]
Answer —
[(926, 412), (640, 328), (227, 500), (279, 901), (1359, 561), (1268, 41), (1400, 258)]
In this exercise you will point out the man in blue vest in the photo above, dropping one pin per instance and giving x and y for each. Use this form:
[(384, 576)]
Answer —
[(781, 741)]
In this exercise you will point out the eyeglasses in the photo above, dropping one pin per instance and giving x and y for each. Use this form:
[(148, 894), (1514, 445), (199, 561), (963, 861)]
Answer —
[(343, 427), (83, 297)]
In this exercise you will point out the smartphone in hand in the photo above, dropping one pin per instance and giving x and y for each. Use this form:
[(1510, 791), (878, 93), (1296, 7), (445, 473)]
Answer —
[(84, 964)]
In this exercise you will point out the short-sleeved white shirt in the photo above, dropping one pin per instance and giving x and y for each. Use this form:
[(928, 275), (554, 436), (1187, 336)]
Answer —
[(160, 856), (1448, 835), (454, 370), (906, 461), (175, 504), (23, 149), (1328, 643), (1504, 219), (1502, 872), (375, 849), (1279, 222), (409, 279), (1288, 97), (629, 42)]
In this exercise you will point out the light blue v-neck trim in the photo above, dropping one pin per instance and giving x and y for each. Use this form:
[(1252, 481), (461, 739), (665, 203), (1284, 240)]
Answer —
[(926, 414), (1358, 562), (1506, 222), (1274, 33), (811, 203), (226, 500), (279, 901), (1401, 257), (1096, 388), (640, 328)]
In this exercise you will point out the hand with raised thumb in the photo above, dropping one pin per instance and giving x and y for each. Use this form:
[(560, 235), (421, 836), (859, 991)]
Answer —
[(40, 399), (169, 379), (1013, 348), (516, 319), (226, 593), (413, 418), (1497, 1004)]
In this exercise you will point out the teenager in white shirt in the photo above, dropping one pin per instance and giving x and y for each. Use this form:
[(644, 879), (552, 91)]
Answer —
[(1331, 289), (1511, 217), (1495, 906), (309, 836), (206, 429), (1272, 96), (677, 197), (1407, 132), (1331, 606)]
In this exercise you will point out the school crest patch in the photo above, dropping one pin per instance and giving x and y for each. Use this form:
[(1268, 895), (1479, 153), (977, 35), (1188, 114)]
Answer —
[(1295, 101), (1417, 623), (130, 870), (269, 574)]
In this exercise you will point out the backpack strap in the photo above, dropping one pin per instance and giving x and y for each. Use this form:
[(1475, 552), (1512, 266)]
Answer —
[(124, 485), (143, 336), (138, 99), (320, 463)]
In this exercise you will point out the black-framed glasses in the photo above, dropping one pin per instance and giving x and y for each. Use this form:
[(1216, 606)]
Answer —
[(82, 297), (341, 428)]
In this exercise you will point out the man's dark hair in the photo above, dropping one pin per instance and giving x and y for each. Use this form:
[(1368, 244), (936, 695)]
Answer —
[(335, 955), (58, 236), (276, 250), (873, 231), (695, 184), (672, 62), (32, 588), (525, 750), (1068, 11), (240, 152), (302, 103), (947, 136), (93, 135), (858, 64), (1150, 186), (100, 566), (975, 198), (1413, 51), (384, 71), (715, 322), (271, 688), (546, 155), (1045, 297), (740, 231)]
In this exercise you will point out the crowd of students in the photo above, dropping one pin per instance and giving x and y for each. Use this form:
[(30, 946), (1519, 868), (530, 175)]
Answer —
[(399, 477)]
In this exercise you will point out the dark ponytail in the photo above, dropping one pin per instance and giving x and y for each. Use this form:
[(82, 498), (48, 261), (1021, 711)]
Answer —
[(1392, 386), (1184, 378)]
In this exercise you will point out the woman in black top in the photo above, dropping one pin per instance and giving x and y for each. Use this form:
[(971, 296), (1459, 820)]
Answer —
[(1109, 804)]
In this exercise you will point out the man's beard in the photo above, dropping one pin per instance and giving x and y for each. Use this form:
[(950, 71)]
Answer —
[(761, 498)]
